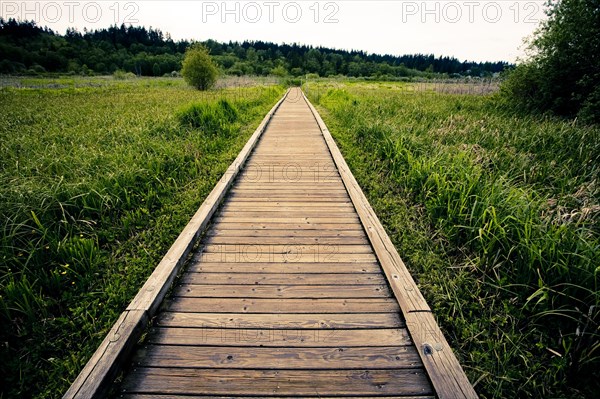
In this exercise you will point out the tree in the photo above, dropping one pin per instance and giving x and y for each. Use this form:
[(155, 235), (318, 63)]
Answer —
[(199, 70), (156, 69), (562, 74), (279, 71)]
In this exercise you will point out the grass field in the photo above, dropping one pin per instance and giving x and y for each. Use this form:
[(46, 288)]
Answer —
[(97, 179), (496, 214)]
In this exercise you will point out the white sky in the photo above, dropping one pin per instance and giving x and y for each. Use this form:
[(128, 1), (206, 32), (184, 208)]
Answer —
[(478, 30)]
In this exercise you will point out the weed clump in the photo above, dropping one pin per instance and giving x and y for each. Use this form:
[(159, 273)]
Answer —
[(211, 118), (122, 75)]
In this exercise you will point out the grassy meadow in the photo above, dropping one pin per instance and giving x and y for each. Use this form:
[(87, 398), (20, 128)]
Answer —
[(97, 178), (496, 214)]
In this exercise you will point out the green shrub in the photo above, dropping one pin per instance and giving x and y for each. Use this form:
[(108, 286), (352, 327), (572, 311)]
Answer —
[(199, 70), (122, 75), (294, 82), (563, 74)]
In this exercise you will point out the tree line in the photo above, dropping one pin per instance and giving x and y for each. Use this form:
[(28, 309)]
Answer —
[(26, 48)]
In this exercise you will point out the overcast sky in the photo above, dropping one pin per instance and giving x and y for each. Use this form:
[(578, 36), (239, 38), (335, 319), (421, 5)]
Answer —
[(467, 30)]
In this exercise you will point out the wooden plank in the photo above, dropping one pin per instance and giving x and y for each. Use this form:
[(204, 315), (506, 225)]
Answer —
[(308, 186), (289, 220), (280, 320), (282, 279), (313, 197), (281, 291), (307, 182), (219, 267), (264, 164), (233, 225), (232, 204), (320, 197), (326, 254), (258, 249), (293, 250), (323, 189), (256, 358), (247, 305), (321, 233), (93, 379), (283, 162), (316, 198), (97, 375), (313, 207), (158, 396), (277, 382), (309, 167), (274, 337), (285, 240), (447, 376), (309, 153), (290, 190), (293, 193), (346, 214)]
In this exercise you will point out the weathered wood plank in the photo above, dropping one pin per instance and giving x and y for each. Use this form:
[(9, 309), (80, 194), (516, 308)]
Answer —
[(280, 320), (277, 382), (281, 291), (279, 268), (288, 214), (233, 225), (232, 204), (291, 249), (284, 240), (249, 305), (321, 233), (270, 207), (288, 185), (152, 396), (274, 337), (326, 254), (257, 358), (307, 221), (314, 197), (323, 279)]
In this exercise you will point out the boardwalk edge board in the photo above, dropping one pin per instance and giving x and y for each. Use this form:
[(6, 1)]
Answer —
[(443, 368), (97, 375)]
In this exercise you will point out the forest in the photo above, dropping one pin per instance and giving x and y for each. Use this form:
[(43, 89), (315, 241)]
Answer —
[(28, 49)]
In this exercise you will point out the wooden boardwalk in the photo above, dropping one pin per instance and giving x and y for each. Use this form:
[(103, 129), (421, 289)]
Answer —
[(294, 291)]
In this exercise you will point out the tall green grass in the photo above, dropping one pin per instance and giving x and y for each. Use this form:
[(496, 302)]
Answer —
[(97, 180), (496, 213)]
